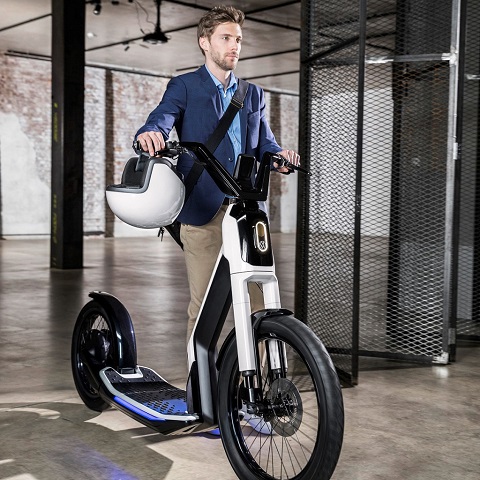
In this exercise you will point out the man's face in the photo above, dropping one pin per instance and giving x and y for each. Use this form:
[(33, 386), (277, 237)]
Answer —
[(224, 45)]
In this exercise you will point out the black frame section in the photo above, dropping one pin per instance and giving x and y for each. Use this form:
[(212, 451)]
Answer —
[(203, 379), (467, 297)]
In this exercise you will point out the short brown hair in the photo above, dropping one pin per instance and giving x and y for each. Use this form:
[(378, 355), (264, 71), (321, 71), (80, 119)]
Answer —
[(214, 17)]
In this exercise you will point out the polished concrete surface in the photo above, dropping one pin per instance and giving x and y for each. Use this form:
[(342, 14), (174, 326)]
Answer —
[(403, 421)]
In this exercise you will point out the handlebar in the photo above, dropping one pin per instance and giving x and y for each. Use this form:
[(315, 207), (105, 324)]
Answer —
[(171, 150), (228, 184), (283, 162)]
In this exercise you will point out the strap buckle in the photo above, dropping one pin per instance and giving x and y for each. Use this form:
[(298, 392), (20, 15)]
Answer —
[(236, 103)]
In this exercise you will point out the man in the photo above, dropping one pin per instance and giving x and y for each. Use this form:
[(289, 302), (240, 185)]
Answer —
[(194, 103)]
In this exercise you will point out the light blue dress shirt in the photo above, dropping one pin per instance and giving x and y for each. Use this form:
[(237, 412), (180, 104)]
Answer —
[(234, 133)]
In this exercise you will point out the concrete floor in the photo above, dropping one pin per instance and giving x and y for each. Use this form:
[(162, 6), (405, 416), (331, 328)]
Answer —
[(403, 421)]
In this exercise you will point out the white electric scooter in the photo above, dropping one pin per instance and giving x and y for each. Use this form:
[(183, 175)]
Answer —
[(271, 388)]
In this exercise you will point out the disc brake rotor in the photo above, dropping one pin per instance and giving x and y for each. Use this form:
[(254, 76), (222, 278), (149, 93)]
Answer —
[(285, 405)]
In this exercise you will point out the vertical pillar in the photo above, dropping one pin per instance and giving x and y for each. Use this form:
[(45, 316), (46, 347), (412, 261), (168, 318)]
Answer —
[(68, 65)]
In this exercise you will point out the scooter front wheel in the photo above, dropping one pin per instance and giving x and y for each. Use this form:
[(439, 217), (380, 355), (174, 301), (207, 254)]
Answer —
[(93, 348), (296, 431)]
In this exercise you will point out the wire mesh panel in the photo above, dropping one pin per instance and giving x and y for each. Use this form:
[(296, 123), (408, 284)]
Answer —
[(468, 304), (328, 132), (375, 235), (407, 318)]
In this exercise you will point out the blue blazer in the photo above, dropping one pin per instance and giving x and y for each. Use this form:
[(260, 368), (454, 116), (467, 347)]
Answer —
[(193, 106)]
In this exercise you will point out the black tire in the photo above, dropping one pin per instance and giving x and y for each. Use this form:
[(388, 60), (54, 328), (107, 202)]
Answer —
[(93, 339), (303, 410)]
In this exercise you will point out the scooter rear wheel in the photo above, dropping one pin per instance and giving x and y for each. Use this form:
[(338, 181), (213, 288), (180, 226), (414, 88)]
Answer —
[(93, 348), (297, 431)]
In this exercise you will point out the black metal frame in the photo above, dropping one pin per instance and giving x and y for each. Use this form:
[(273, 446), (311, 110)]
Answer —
[(418, 328), (468, 219)]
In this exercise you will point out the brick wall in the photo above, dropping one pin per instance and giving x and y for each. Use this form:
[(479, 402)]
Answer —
[(116, 105), (133, 97), (283, 119), (95, 151)]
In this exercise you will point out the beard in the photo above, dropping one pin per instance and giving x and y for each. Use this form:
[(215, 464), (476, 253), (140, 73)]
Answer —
[(225, 63)]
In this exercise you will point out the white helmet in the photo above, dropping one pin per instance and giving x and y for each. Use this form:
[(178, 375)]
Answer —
[(148, 197)]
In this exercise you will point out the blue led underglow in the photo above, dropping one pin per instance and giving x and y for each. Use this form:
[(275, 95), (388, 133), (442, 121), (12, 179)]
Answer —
[(136, 410)]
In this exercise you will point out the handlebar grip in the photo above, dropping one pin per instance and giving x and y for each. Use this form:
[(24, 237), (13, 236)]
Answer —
[(283, 162), (171, 150)]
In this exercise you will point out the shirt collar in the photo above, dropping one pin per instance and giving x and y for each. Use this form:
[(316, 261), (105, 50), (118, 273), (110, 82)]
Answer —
[(218, 83)]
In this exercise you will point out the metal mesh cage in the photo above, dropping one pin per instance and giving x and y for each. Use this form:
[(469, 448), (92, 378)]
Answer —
[(374, 258)]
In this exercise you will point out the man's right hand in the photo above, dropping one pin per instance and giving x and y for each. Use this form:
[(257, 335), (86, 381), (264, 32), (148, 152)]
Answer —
[(151, 142)]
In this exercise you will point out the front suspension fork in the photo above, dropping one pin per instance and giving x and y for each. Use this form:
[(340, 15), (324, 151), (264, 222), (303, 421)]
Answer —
[(272, 363)]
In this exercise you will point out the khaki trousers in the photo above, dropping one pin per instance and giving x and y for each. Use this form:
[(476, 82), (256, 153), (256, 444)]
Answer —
[(201, 246)]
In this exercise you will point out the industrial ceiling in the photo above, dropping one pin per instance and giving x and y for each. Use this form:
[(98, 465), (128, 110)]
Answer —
[(115, 30)]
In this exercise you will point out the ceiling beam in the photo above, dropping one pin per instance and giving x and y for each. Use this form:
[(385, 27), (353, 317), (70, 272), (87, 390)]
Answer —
[(279, 74), (25, 22), (253, 57), (187, 27), (194, 25)]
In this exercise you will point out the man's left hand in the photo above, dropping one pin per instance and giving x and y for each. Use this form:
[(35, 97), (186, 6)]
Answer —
[(292, 156)]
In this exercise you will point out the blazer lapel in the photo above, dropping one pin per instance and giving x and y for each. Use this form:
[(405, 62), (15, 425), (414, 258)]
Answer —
[(211, 89)]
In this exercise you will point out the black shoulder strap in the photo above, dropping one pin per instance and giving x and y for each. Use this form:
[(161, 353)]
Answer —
[(212, 143), (235, 105)]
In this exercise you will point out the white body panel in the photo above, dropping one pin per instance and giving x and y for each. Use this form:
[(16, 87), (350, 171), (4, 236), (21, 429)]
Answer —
[(242, 273)]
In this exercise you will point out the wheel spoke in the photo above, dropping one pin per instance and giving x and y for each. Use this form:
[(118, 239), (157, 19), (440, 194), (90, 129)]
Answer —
[(287, 449), (281, 436)]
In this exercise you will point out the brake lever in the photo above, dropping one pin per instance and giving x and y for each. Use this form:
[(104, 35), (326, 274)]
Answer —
[(172, 149), (137, 148), (283, 162)]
